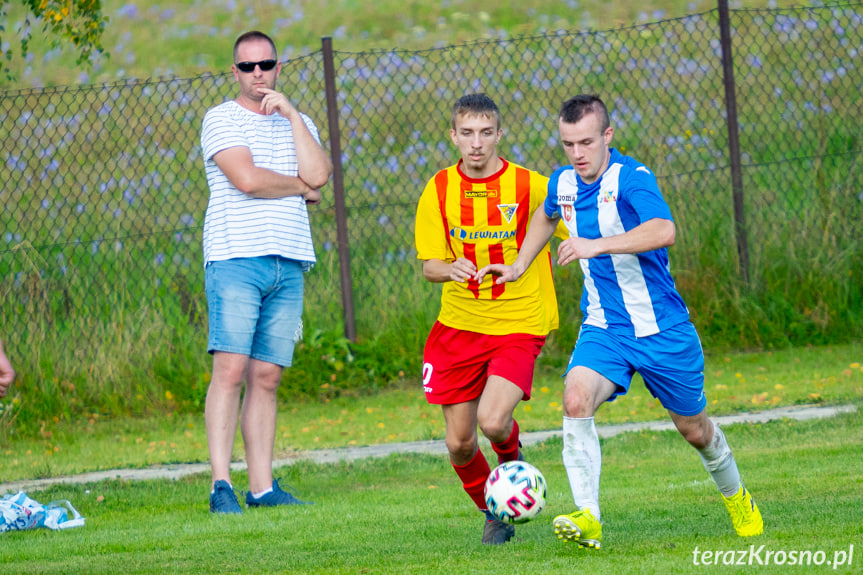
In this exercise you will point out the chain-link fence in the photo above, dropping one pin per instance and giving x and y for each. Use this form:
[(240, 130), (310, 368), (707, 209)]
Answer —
[(104, 191)]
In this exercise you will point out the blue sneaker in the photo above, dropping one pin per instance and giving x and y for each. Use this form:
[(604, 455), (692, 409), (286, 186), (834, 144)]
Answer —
[(274, 498), (223, 499)]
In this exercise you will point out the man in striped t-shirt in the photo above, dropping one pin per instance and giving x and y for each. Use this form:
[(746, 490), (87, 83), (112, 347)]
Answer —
[(634, 319), (264, 164), (479, 358)]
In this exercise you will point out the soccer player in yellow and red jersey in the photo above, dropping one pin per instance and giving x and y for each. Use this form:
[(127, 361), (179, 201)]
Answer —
[(479, 357)]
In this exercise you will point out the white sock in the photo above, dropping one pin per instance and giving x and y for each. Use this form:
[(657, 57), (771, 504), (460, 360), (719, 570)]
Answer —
[(719, 463), (260, 494), (582, 459)]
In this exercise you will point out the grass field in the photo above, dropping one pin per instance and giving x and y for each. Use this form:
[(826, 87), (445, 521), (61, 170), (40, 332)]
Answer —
[(408, 514), (735, 382), (122, 384)]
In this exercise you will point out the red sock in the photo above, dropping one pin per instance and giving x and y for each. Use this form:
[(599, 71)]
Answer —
[(508, 450), (473, 476)]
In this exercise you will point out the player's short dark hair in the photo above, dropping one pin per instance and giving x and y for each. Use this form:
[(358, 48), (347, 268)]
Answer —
[(253, 35), (475, 105), (578, 107)]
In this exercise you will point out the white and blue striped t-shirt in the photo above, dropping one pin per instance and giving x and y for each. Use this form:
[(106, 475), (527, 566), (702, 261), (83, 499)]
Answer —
[(630, 293), (239, 226)]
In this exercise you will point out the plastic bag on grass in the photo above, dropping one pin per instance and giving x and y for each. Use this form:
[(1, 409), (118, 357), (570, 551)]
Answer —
[(19, 512)]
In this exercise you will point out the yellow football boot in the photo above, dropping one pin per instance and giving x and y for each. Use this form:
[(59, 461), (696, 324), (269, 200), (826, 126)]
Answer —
[(744, 513), (580, 527)]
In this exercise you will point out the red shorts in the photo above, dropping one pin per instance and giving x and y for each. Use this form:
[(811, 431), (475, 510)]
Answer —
[(457, 363)]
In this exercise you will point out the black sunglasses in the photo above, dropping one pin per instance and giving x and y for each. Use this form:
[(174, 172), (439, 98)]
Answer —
[(265, 65)]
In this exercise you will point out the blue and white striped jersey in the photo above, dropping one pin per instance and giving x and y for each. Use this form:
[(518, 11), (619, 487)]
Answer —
[(633, 294), (239, 226)]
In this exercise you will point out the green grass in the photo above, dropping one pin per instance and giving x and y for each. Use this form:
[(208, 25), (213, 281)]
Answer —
[(735, 382), (408, 514)]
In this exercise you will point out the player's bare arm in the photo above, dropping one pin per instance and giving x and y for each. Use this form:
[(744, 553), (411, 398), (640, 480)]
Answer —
[(7, 374), (651, 235), (315, 166), (439, 271), (538, 234), (240, 169)]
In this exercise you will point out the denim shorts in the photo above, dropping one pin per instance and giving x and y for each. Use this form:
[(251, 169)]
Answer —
[(255, 307), (671, 363)]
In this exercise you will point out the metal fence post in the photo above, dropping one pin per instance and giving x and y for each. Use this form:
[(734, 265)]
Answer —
[(339, 191), (733, 141)]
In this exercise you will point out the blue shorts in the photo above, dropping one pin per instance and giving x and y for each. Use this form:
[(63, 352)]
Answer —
[(255, 307), (671, 363)]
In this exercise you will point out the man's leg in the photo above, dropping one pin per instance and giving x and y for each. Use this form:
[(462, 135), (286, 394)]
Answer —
[(464, 453), (258, 422), (494, 415), (509, 380), (278, 329), (220, 415), (702, 434), (707, 438), (471, 465), (585, 391), (222, 410)]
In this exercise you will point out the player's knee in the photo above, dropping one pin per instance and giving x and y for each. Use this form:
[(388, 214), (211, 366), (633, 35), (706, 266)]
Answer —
[(584, 391), (227, 379), (495, 429), (494, 433), (698, 436), (577, 405), (265, 377), (460, 449)]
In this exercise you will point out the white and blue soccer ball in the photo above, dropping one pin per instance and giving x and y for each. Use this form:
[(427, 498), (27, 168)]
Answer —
[(515, 492)]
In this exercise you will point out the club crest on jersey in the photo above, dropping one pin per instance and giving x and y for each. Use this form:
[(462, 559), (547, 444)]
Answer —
[(567, 212), (507, 211), (480, 193), (606, 196)]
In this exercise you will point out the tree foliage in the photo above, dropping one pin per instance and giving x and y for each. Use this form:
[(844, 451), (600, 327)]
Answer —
[(79, 22)]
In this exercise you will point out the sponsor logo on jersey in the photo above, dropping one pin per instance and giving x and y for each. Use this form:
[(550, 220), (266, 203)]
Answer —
[(565, 198), (507, 211), (642, 169), (465, 235), (458, 234), (480, 193)]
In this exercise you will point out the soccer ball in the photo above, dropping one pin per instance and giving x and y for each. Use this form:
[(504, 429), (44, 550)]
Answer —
[(515, 492)]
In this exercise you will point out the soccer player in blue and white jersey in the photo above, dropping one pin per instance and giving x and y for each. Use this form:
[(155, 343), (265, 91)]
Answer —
[(264, 164), (634, 319)]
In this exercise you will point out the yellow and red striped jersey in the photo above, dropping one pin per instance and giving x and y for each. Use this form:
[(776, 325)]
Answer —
[(485, 221)]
